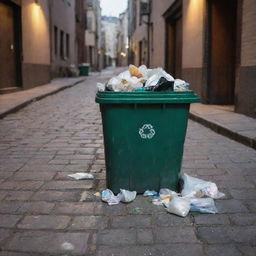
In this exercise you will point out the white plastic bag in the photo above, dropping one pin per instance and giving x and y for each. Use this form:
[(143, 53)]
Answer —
[(194, 187), (127, 196), (179, 206), (101, 87), (108, 196), (150, 193), (180, 85), (155, 74), (81, 176), (203, 205), (124, 196)]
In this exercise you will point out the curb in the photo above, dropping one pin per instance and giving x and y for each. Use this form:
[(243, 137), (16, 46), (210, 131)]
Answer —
[(36, 98), (247, 141)]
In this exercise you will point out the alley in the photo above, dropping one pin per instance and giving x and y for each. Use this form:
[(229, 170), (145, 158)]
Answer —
[(45, 212)]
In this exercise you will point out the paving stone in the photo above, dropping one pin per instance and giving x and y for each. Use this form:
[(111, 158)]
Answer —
[(245, 194), (243, 219), (57, 243), (230, 206), (44, 222), (22, 175), (21, 185), (8, 221), (145, 236), (15, 254), (211, 219), (247, 250), (131, 221), (175, 235), (222, 250), (105, 209), (9, 207), (56, 196), (65, 185), (245, 234), (114, 237), (42, 168), (228, 234), (213, 235), (166, 250), (166, 220), (89, 222), (36, 207), (4, 234), (84, 208), (18, 195)]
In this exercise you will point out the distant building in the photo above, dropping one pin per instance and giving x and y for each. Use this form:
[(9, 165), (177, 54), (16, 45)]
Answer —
[(93, 40), (39, 41), (109, 28), (122, 39), (211, 44)]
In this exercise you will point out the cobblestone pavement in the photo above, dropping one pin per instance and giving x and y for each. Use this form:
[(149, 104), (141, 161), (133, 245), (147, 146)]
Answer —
[(41, 208)]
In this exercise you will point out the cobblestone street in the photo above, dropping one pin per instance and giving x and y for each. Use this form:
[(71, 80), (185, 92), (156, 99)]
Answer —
[(45, 212)]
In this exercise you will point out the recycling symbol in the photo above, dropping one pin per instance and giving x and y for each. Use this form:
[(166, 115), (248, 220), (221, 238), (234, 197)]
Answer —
[(147, 131)]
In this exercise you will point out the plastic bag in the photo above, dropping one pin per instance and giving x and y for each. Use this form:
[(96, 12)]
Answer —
[(154, 76), (101, 87), (150, 193), (194, 187), (162, 85), (81, 176), (125, 196), (179, 206), (203, 205), (108, 196), (180, 85)]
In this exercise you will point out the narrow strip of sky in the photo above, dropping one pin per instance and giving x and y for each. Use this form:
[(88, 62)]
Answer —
[(112, 7)]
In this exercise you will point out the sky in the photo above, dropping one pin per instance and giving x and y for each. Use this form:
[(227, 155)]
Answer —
[(113, 7)]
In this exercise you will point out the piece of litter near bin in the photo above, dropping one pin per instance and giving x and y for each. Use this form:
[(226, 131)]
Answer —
[(137, 210), (67, 246), (97, 194), (81, 176), (150, 193), (84, 196), (124, 196)]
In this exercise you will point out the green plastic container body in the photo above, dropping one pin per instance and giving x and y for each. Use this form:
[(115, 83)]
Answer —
[(84, 70), (144, 134)]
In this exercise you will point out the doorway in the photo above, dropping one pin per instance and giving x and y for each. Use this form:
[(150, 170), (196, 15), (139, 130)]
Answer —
[(222, 51), (173, 55), (10, 73)]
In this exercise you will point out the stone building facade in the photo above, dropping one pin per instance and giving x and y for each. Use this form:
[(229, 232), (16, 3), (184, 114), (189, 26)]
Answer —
[(122, 39), (209, 43), (38, 41)]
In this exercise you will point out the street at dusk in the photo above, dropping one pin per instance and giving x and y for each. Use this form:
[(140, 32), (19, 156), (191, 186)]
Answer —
[(66, 67)]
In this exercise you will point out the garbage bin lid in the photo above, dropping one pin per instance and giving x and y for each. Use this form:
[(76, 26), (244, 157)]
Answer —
[(146, 97)]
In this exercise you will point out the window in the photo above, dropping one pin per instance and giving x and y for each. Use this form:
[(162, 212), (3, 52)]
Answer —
[(67, 45), (55, 40), (62, 44)]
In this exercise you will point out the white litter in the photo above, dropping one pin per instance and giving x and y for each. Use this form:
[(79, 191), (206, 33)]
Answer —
[(124, 196), (194, 187), (81, 176), (179, 206)]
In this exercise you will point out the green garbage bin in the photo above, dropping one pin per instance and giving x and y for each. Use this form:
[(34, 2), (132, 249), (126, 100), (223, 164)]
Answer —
[(84, 69), (144, 134)]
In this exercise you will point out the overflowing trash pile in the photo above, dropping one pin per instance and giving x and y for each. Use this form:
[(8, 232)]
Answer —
[(196, 196), (143, 79)]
